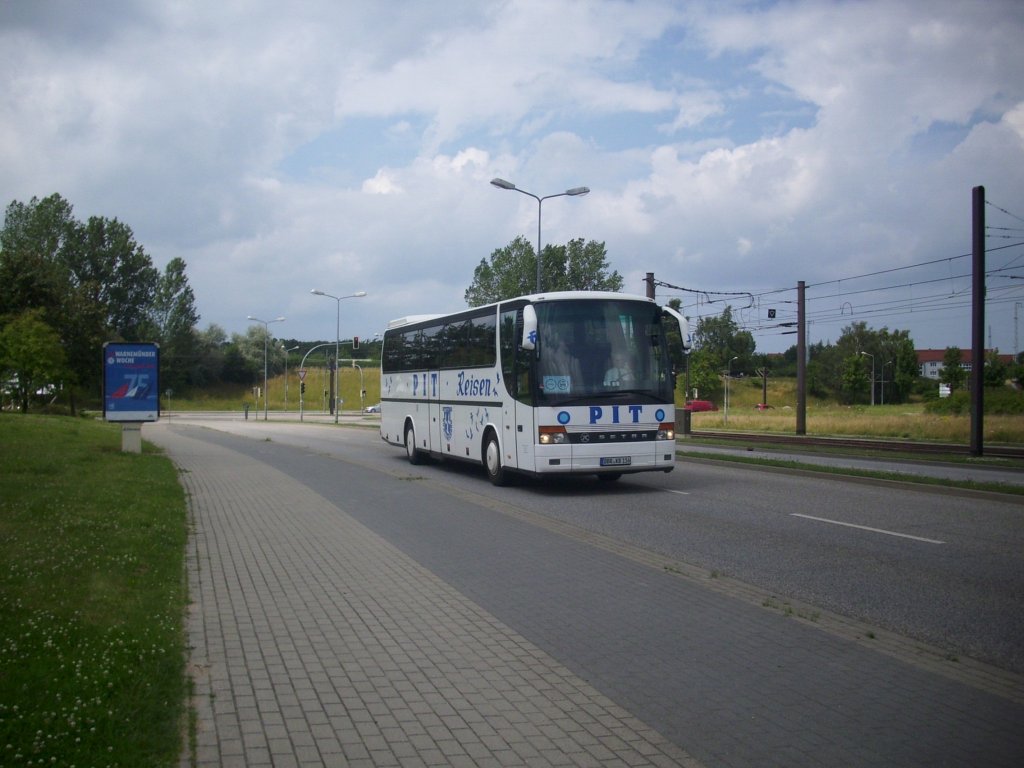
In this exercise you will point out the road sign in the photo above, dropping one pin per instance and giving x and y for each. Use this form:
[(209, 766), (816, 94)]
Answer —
[(302, 374)]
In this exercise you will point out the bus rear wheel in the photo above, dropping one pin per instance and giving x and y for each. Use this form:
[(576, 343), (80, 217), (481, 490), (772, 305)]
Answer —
[(415, 457), (496, 472)]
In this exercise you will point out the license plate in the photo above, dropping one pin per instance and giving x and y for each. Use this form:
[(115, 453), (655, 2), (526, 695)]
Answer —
[(616, 461)]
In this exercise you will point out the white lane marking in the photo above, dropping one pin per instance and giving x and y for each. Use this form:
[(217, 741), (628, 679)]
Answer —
[(681, 493), (867, 528)]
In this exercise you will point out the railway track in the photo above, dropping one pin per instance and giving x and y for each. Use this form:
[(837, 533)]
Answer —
[(872, 444)]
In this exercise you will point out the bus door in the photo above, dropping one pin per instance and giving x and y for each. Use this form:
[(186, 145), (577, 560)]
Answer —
[(516, 369)]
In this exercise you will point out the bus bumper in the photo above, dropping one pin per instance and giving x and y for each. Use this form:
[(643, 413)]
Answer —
[(617, 458)]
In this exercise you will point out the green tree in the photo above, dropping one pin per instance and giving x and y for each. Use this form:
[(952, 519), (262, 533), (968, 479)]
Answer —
[(95, 281), (33, 238), (31, 355), (824, 369), (579, 266), (889, 355), (35, 243), (251, 346), (728, 347), (855, 384), (899, 359), (236, 367), (115, 273), (174, 317), (996, 372), (705, 376), (210, 352), (512, 271), (951, 373)]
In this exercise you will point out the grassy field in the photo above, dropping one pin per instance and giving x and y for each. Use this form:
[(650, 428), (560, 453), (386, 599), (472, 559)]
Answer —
[(235, 397), (906, 421), (92, 597)]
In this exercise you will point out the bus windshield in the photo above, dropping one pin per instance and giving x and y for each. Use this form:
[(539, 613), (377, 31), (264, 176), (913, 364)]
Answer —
[(597, 350)]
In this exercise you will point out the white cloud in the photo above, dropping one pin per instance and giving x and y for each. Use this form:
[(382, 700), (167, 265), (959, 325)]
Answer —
[(349, 146)]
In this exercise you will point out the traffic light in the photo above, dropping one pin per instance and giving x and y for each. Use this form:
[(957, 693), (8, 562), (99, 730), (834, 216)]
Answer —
[(355, 342), (302, 388)]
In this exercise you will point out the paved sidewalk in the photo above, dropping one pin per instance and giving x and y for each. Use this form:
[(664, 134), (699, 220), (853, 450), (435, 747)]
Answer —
[(315, 642)]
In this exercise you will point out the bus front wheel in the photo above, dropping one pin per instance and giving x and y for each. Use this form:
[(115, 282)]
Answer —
[(492, 461), (415, 457)]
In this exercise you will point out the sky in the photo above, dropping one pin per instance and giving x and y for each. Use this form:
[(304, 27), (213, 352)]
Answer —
[(731, 148)]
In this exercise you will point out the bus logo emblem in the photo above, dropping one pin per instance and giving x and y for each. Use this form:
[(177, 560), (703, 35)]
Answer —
[(446, 422)]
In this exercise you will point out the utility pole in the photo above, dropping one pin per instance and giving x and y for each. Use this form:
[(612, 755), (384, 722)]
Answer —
[(801, 362), (978, 322), (1016, 342), (763, 372)]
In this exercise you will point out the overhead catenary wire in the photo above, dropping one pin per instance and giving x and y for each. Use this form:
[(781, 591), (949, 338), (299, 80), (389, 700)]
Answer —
[(750, 317)]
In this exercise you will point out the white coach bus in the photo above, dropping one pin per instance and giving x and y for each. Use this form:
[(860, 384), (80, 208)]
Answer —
[(572, 382)]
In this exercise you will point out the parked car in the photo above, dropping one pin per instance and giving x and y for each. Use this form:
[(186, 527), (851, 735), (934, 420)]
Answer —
[(372, 408), (700, 405)]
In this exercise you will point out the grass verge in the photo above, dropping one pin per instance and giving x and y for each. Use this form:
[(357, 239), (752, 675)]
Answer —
[(901, 477), (92, 597)]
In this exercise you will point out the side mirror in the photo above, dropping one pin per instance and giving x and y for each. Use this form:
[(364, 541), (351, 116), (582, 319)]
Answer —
[(684, 327), (529, 340)]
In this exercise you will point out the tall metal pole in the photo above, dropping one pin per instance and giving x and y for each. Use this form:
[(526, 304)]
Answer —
[(728, 377), (337, 368), (286, 351), (539, 201), (801, 362), (978, 322), (266, 336)]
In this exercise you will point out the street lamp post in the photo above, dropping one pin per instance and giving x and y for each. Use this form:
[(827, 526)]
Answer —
[(574, 192), (337, 338), (266, 336), (872, 375), (728, 378), (286, 351), (882, 383)]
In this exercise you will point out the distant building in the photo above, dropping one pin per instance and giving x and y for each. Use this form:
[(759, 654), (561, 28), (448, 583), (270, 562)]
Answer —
[(930, 361)]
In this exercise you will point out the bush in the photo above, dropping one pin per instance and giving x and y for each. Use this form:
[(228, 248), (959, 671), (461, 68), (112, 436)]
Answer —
[(998, 401)]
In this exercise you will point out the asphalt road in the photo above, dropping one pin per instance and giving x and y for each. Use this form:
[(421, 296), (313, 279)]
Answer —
[(711, 602), (944, 568)]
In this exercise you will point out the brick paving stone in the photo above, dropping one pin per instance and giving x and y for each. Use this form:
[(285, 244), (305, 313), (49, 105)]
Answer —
[(302, 608)]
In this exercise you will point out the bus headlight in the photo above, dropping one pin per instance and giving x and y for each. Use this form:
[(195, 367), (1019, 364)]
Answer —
[(667, 431), (552, 436)]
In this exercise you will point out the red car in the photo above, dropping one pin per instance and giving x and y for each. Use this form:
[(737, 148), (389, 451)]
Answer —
[(700, 405)]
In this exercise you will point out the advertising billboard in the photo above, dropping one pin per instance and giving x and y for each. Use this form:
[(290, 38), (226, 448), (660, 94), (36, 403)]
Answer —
[(131, 381)]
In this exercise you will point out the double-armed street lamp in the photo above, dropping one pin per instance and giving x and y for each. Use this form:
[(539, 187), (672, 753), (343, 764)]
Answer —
[(266, 336), (574, 192), (337, 338)]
